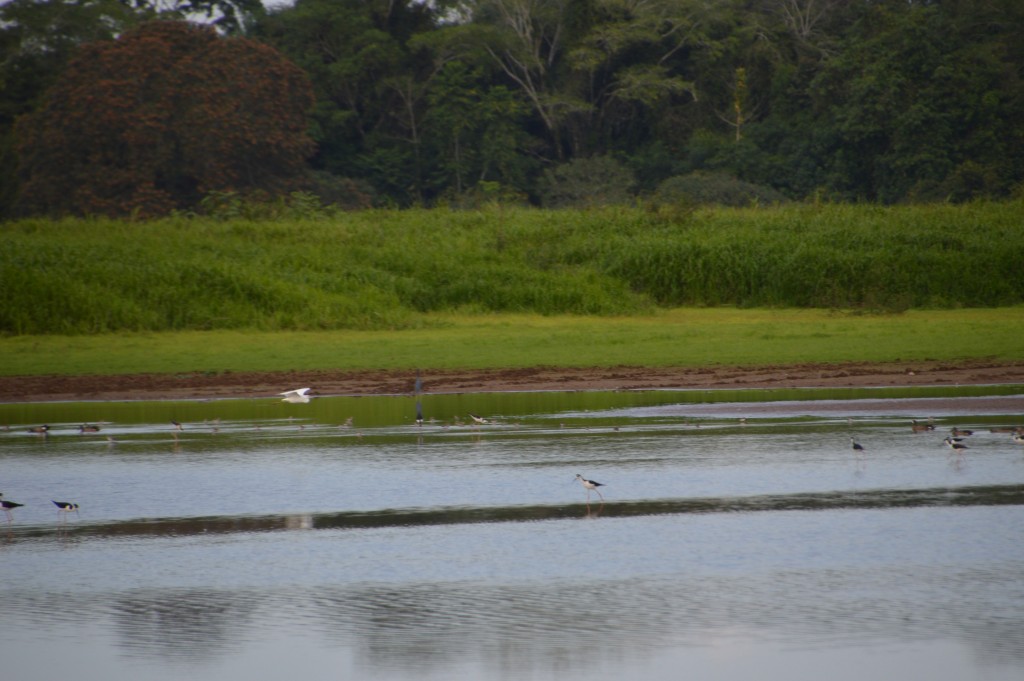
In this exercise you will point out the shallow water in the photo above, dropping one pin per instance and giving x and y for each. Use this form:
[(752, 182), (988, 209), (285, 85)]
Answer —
[(266, 539)]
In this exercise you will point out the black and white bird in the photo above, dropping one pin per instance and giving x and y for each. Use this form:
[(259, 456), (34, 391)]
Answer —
[(956, 445), (297, 396), (8, 506), (1018, 438), (65, 507), (590, 485), (857, 447), (478, 419)]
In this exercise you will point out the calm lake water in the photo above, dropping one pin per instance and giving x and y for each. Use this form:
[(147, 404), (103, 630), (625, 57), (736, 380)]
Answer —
[(739, 537)]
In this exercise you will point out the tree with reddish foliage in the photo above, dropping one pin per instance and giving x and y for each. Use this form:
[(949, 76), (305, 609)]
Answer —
[(158, 118)]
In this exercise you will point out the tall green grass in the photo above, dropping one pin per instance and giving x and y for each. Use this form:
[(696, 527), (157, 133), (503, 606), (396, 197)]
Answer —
[(391, 269)]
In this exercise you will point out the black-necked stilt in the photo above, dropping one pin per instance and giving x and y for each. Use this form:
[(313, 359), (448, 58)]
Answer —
[(297, 396), (478, 419), (177, 424), (65, 507), (419, 413), (590, 485), (857, 447), (955, 445), (88, 428), (1018, 438), (8, 506), (957, 432), (39, 430)]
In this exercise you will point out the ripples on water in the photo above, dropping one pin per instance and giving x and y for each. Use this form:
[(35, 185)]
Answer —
[(264, 540)]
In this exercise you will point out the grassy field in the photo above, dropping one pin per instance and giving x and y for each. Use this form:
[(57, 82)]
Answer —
[(678, 337), (387, 270)]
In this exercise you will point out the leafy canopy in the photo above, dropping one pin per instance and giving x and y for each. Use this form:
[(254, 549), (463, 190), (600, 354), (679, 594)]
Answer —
[(156, 119)]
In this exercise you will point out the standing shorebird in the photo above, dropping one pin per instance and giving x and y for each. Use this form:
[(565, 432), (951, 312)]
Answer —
[(8, 506), (857, 447), (65, 507), (956, 445), (478, 419), (590, 485)]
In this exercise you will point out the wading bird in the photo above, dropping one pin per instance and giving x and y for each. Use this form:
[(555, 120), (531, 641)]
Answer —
[(956, 445), (590, 485), (65, 507), (8, 506), (857, 447)]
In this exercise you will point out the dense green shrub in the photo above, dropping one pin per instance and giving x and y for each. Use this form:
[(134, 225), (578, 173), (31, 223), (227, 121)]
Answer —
[(714, 188), (588, 183), (322, 269)]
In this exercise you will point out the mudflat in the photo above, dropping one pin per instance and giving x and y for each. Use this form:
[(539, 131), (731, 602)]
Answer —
[(232, 384)]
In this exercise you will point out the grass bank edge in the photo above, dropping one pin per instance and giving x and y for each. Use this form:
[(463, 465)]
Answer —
[(682, 337)]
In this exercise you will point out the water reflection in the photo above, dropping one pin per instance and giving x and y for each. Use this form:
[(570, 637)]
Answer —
[(568, 630), (196, 625)]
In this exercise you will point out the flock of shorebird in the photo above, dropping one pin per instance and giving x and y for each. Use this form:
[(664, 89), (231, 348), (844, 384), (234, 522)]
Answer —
[(63, 507), (955, 439), (297, 396)]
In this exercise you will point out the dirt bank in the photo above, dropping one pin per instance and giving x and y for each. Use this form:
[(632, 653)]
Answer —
[(262, 384)]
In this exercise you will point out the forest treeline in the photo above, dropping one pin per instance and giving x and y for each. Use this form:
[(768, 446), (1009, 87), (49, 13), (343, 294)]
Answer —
[(556, 103)]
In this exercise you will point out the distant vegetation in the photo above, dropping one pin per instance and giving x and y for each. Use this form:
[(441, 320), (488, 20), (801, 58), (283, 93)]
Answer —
[(307, 269), (552, 103)]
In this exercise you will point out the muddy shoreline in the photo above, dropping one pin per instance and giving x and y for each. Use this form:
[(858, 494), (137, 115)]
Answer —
[(229, 384)]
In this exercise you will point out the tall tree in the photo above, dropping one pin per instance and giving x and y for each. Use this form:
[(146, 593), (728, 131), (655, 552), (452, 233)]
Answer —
[(37, 37), (476, 130), (921, 89), (159, 117), (369, 78)]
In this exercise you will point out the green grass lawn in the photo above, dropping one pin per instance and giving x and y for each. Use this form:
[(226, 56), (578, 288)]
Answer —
[(679, 337)]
